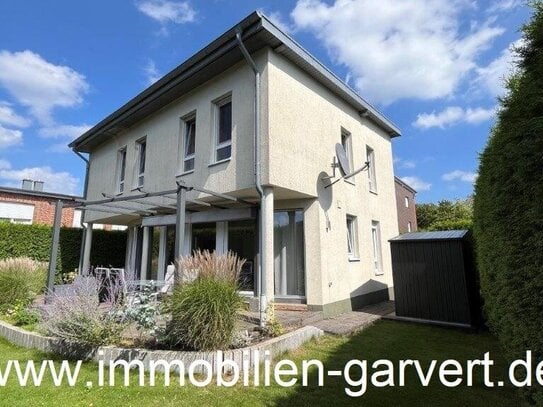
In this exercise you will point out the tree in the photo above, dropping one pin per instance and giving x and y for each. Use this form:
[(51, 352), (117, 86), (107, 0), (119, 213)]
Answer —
[(508, 208), (445, 215)]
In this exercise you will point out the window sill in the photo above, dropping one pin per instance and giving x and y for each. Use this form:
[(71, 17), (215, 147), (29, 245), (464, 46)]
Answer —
[(349, 182), (378, 273), (184, 173), (374, 192), (220, 162), (354, 259)]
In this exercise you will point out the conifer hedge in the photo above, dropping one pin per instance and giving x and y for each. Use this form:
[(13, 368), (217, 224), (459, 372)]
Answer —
[(508, 209), (34, 241)]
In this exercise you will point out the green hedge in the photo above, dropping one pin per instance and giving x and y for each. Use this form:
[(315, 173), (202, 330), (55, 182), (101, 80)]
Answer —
[(34, 241), (508, 221)]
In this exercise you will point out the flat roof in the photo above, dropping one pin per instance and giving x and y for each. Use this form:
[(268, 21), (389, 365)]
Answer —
[(257, 32), (40, 194), (437, 235)]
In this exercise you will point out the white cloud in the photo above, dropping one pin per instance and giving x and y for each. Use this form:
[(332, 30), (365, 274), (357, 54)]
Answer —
[(405, 164), (453, 115), (398, 49), (504, 5), (10, 137), (465, 176), (4, 165), (417, 184), (165, 11), (62, 182), (492, 77), (151, 72), (40, 85), (277, 18), (10, 118), (68, 131)]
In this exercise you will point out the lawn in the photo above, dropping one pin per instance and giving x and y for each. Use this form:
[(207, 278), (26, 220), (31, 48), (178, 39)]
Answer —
[(385, 339)]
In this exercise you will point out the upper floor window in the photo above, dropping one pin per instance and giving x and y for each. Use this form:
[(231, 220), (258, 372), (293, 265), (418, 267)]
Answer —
[(141, 151), (223, 129), (376, 243), (370, 158), (406, 201), (121, 169), (346, 142), (189, 143), (352, 237)]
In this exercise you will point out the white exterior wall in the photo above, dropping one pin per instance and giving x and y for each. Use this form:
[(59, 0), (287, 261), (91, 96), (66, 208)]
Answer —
[(301, 123), (163, 131), (305, 122)]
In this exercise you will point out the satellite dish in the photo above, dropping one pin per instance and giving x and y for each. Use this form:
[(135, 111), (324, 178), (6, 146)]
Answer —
[(342, 159), (343, 165)]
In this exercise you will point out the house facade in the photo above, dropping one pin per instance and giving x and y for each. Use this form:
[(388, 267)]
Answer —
[(31, 205), (248, 127), (406, 206)]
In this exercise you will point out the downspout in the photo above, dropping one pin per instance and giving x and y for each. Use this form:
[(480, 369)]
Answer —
[(87, 164), (257, 153)]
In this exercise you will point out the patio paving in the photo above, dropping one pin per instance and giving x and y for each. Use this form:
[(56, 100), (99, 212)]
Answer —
[(343, 324), (354, 321)]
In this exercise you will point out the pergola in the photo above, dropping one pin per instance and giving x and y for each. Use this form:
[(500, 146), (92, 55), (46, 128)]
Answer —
[(171, 202)]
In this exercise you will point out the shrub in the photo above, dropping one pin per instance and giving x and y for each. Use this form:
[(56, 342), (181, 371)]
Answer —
[(21, 280), (508, 221), (204, 309), (20, 314), (141, 308), (76, 315)]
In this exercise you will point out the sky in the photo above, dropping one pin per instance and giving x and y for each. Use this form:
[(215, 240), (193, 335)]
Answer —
[(434, 67)]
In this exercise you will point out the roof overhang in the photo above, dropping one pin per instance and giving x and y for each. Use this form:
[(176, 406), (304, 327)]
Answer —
[(258, 32)]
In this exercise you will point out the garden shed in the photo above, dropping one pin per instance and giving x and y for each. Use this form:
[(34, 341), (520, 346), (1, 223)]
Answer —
[(435, 278)]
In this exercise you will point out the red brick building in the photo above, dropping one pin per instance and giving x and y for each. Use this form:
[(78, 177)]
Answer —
[(31, 205), (405, 203)]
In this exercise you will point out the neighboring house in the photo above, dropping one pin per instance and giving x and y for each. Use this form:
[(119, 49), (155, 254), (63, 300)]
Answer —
[(405, 202), (324, 247), (31, 205)]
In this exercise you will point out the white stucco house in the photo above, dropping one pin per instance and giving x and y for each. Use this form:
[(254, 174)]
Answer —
[(231, 150)]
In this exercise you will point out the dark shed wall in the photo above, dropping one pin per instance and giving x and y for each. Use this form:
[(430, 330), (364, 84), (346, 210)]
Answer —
[(431, 280)]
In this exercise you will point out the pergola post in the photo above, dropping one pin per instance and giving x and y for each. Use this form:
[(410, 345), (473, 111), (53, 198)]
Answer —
[(54, 248), (266, 224), (87, 249), (180, 225), (145, 248)]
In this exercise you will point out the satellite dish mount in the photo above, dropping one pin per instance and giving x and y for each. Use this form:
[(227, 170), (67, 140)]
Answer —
[(341, 161)]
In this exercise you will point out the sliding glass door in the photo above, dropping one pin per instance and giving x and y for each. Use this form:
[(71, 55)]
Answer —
[(289, 268)]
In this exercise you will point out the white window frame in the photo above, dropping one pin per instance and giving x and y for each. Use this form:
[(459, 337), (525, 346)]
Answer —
[(406, 201), (217, 104), (139, 177), (372, 178), (377, 256), (120, 184), (352, 238), (347, 143), (183, 144)]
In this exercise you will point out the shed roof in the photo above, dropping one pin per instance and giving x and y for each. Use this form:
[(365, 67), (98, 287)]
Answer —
[(427, 236), (258, 32)]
